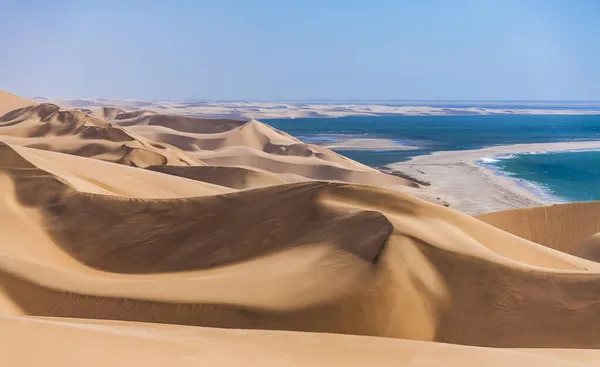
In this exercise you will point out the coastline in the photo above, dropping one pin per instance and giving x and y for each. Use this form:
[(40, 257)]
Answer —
[(475, 188)]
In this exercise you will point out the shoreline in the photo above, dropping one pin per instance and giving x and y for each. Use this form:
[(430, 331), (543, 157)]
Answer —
[(474, 188), (536, 188)]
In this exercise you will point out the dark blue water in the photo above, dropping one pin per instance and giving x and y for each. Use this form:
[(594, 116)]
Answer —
[(573, 176), (435, 133)]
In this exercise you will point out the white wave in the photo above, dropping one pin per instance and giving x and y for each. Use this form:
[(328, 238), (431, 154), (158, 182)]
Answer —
[(489, 160), (505, 156)]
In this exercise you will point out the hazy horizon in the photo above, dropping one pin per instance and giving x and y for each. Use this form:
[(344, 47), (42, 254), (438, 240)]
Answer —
[(391, 100)]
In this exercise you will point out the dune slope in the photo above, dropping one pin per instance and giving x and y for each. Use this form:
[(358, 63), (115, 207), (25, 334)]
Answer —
[(562, 226)]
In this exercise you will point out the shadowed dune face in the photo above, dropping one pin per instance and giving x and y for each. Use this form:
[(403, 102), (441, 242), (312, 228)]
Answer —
[(126, 236), (234, 177)]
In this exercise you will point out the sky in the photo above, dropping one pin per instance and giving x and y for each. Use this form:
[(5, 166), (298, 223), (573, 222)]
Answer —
[(302, 49)]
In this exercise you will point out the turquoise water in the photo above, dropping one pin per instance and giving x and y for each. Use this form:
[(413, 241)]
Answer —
[(572, 176), (568, 176)]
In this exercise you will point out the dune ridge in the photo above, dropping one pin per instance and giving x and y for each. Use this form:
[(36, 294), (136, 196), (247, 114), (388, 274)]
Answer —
[(184, 263)]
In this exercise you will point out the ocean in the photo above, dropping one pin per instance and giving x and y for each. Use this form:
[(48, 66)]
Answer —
[(566, 176)]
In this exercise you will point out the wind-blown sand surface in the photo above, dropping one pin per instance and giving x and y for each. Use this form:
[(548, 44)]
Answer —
[(179, 241), (474, 189)]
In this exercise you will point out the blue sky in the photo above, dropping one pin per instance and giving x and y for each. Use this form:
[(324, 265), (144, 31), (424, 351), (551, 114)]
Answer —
[(304, 49)]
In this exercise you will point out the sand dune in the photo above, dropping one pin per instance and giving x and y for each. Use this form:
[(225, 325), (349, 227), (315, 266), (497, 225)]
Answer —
[(370, 254), (252, 144), (185, 263), (9, 102), (49, 127), (144, 139)]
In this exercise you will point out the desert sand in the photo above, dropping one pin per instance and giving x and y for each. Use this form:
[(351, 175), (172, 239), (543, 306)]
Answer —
[(473, 189), (154, 239)]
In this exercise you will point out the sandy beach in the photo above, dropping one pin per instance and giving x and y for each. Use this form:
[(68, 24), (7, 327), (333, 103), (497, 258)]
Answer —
[(474, 189)]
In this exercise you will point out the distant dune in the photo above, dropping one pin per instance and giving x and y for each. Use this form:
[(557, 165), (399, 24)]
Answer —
[(137, 237), (144, 138), (264, 110)]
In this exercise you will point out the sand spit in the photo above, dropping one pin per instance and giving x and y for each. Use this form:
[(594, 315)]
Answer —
[(476, 189), (367, 144), (238, 264)]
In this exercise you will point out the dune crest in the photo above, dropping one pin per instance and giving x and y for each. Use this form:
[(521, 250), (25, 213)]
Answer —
[(9, 102)]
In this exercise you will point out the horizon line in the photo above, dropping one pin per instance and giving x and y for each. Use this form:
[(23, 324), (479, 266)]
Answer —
[(335, 100)]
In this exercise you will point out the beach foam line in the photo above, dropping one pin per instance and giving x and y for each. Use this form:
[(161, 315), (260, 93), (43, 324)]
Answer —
[(538, 189)]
